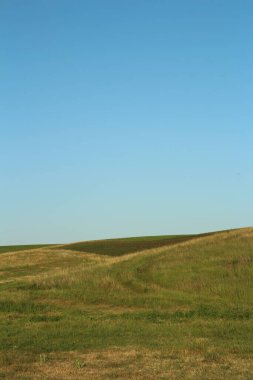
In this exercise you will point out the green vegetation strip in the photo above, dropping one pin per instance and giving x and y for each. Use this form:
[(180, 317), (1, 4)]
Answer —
[(118, 247)]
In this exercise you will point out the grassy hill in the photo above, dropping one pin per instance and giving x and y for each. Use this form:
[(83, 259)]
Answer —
[(14, 248), (140, 308), (118, 247)]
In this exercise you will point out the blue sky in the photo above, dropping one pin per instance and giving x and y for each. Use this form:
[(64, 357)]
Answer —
[(124, 118)]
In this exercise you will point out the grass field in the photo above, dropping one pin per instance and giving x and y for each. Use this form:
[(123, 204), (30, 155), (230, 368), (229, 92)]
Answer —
[(140, 310), (15, 248), (118, 247)]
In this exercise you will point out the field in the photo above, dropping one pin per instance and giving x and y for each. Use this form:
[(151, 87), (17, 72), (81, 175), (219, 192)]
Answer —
[(15, 248), (169, 307)]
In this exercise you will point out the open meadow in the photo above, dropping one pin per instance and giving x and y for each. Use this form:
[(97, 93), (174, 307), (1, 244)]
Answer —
[(168, 307)]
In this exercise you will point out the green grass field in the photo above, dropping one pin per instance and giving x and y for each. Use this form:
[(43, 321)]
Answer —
[(118, 247), (146, 308)]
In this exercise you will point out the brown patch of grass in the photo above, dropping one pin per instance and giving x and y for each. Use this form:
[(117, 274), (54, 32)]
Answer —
[(129, 364)]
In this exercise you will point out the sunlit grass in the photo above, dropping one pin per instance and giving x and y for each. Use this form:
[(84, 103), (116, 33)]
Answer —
[(15, 248), (185, 307)]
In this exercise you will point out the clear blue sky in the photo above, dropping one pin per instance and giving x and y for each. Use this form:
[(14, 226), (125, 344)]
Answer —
[(123, 118)]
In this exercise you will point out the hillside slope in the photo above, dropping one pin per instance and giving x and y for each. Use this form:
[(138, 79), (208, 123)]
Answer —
[(118, 247), (180, 311), (15, 248)]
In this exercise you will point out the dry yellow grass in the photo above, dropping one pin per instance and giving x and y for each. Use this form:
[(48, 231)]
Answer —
[(133, 364)]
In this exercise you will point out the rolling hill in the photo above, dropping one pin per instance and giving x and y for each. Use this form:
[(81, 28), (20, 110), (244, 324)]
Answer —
[(118, 247), (169, 307)]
